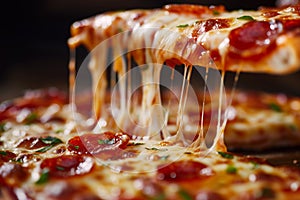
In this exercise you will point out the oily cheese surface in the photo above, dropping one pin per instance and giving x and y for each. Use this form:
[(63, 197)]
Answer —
[(251, 41), (44, 156)]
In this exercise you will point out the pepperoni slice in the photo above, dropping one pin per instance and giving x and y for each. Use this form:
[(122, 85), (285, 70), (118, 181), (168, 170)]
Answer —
[(31, 143), (6, 156), (38, 98), (194, 9), (253, 38), (183, 171), (290, 24), (67, 166), (97, 143), (209, 24), (32, 99)]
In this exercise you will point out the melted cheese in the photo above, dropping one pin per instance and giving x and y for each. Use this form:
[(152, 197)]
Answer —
[(154, 37)]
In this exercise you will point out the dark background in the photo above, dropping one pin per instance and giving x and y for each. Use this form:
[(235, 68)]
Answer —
[(33, 42)]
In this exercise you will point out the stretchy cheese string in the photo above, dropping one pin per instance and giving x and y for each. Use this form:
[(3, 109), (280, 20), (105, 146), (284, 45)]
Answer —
[(153, 120)]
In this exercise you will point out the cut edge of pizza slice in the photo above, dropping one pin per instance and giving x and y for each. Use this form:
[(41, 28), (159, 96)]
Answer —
[(241, 41), (263, 41)]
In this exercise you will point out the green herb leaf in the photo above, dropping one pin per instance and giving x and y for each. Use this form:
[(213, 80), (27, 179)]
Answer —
[(112, 141), (76, 147), (255, 165), (155, 149), (43, 178), (184, 195), (3, 153), (275, 107), (164, 157), (44, 149), (231, 169), (182, 26), (31, 118), (293, 127), (246, 17), (59, 131), (2, 127), (19, 160), (225, 155), (152, 148), (267, 193), (215, 12), (160, 196), (135, 144), (60, 168), (51, 140)]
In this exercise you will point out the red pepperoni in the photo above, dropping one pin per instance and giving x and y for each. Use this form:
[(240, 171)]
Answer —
[(254, 36), (97, 143), (6, 156), (31, 143), (194, 9), (67, 165), (183, 171), (270, 14), (32, 99), (37, 98), (210, 24), (290, 24)]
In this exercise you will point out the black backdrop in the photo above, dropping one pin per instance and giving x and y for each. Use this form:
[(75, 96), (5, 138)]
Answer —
[(33, 50)]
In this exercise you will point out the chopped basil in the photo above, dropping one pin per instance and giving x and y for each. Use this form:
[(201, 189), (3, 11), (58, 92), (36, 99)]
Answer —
[(152, 148), (155, 149), (60, 168), (184, 195), (225, 155), (275, 107), (231, 169), (267, 193), (160, 196), (51, 140), (293, 127), (2, 127), (164, 157), (19, 160), (182, 26), (3, 153), (31, 118), (246, 17), (43, 178), (255, 165), (44, 149), (59, 131), (76, 147), (112, 141), (135, 144), (120, 30), (215, 12)]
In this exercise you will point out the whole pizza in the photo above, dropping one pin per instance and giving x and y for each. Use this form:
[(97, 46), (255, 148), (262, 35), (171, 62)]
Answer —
[(128, 140)]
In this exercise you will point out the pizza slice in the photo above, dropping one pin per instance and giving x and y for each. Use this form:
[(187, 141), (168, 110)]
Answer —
[(252, 41)]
